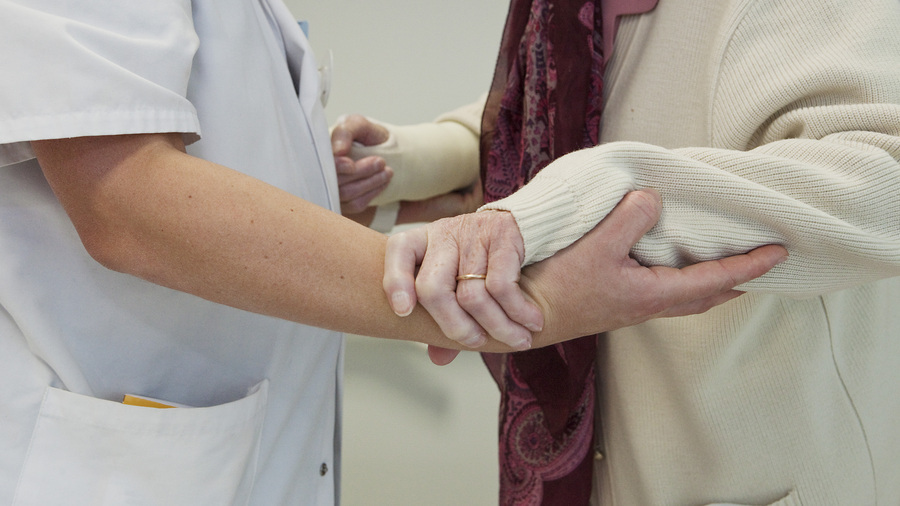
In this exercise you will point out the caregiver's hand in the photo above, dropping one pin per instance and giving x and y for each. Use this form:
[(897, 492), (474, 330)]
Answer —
[(591, 286), (359, 180), (595, 286)]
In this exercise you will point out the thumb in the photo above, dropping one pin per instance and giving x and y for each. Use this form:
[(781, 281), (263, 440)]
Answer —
[(403, 253), (632, 217), (356, 128), (441, 356)]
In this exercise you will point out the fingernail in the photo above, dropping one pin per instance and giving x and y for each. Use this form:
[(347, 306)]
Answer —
[(524, 344), (401, 304), (534, 327), (475, 341)]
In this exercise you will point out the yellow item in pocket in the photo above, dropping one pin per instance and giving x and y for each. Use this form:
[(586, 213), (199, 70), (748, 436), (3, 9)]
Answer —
[(135, 400)]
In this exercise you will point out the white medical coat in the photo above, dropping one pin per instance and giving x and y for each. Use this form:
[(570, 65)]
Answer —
[(237, 77)]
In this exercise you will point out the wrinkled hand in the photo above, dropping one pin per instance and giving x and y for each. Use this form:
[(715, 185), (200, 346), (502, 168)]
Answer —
[(466, 311), (592, 286), (359, 180)]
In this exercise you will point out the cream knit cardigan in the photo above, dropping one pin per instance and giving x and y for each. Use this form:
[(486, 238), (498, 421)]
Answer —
[(759, 121)]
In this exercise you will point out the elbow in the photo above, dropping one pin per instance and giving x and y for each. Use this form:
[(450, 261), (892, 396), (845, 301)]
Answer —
[(104, 184), (112, 247), (102, 246)]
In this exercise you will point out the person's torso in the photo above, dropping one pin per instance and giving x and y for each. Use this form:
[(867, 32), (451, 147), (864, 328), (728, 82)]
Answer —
[(765, 399)]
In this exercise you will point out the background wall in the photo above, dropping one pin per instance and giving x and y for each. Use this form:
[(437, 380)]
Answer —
[(404, 61), (414, 433)]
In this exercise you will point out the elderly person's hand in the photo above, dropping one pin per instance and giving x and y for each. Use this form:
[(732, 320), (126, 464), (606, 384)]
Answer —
[(360, 180), (470, 309), (591, 286)]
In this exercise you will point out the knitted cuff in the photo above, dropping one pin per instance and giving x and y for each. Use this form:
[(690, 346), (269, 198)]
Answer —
[(565, 200)]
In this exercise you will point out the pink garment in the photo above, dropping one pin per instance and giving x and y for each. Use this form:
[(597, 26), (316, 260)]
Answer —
[(545, 101)]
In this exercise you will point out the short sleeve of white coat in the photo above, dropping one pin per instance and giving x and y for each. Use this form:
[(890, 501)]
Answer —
[(100, 67)]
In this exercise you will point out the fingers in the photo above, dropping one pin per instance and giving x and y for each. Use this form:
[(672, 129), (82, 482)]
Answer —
[(436, 286), (743, 268), (699, 306), (502, 283), (618, 290), (404, 251), (361, 181), (696, 288), (349, 170), (433, 286), (715, 276), (356, 128), (497, 303), (474, 298), (468, 310), (699, 287)]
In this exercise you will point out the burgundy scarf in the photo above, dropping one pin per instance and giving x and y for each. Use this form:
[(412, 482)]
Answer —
[(545, 101)]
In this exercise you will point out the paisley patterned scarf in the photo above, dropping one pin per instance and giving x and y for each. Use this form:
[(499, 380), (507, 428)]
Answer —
[(545, 101)]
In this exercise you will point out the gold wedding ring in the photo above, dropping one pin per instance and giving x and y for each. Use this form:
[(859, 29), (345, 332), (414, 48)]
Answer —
[(471, 276)]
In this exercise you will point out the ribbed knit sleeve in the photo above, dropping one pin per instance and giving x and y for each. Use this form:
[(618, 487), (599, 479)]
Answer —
[(804, 151)]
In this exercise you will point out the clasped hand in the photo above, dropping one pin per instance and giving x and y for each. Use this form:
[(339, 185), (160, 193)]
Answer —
[(361, 180), (590, 287)]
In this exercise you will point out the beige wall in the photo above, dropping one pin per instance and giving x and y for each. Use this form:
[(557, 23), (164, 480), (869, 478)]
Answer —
[(404, 61)]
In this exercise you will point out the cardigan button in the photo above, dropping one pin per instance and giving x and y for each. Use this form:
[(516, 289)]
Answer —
[(323, 469)]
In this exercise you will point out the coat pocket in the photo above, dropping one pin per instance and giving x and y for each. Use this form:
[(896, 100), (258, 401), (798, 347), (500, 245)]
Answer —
[(792, 499), (88, 451)]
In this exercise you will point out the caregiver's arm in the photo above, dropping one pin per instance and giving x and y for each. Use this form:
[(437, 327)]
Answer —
[(142, 206)]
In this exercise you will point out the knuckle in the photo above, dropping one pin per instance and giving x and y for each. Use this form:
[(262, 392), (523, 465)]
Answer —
[(399, 241), (355, 120), (426, 294), (500, 289), (469, 297), (395, 240), (359, 203), (459, 333), (432, 297), (645, 202), (390, 283), (506, 334)]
